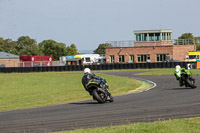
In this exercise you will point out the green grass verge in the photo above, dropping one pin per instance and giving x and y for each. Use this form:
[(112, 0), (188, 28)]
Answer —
[(144, 86), (164, 72), (27, 90), (190, 125)]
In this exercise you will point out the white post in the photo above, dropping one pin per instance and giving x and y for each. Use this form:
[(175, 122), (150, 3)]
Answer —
[(161, 36)]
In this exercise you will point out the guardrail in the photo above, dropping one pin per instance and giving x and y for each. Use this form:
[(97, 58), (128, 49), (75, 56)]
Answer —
[(130, 43), (115, 66)]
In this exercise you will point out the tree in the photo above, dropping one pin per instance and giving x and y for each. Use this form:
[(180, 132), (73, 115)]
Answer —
[(102, 48), (53, 48), (72, 50), (1, 44), (198, 40), (8, 46), (186, 36), (27, 46), (190, 39)]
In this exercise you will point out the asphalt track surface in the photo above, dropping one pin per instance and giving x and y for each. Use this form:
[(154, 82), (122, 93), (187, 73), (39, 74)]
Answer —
[(165, 101)]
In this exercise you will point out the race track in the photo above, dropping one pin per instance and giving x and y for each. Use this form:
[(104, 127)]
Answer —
[(165, 101)]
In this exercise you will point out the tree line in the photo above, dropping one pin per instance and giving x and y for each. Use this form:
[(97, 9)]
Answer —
[(26, 46)]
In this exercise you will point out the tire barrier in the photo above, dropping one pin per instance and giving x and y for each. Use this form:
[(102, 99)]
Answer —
[(97, 67)]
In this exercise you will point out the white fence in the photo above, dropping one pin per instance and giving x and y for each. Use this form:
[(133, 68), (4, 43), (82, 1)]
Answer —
[(30, 63)]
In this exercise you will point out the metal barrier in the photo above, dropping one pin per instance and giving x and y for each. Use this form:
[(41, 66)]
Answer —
[(97, 67), (29, 63), (130, 43)]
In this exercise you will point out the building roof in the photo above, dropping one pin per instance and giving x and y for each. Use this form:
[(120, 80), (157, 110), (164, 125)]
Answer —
[(73, 59), (78, 56), (4, 55), (152, 31)]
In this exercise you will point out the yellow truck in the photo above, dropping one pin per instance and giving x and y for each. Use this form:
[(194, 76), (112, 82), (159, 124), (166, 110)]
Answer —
[(193, 56)]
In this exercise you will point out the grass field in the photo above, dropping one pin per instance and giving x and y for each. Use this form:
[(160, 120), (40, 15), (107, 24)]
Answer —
[(190, 125), (27, 90)]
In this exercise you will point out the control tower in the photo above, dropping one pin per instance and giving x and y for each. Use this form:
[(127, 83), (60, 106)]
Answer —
[(152, 38)]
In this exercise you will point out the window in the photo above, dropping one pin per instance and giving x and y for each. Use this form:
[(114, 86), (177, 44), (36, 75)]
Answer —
[(112, 59), (131, 58), (144, 36), (166, 36), (121, 58), (143, 58), (141, 37), (169, 37), (101, 60), (87, 59), (163, 36), (138, 37), (161, 57), (157, 36), (151, 36), (193, 56)]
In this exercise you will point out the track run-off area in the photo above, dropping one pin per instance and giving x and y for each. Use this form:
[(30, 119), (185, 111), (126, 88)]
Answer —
[(166, 100)]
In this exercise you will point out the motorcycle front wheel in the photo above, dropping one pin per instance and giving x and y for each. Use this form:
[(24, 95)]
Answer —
[(111, 99)]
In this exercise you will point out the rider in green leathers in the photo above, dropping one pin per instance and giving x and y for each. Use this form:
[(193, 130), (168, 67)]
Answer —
[(177, 74)]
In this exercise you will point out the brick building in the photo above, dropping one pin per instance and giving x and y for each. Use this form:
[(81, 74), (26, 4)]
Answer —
[(150, 46), (8, 60)]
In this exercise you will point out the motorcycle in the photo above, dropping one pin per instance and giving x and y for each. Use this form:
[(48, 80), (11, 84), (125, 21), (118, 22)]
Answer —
[(187, 78), (99, 90)]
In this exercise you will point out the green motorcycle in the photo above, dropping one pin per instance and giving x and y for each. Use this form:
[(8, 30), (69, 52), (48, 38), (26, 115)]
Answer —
[(188, 80)]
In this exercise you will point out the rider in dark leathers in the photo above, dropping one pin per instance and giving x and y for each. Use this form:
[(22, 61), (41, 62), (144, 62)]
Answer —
[(91, 77)]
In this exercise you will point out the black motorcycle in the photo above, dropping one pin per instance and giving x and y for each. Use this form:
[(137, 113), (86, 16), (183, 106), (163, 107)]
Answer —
[(99, 90), (187, 78)]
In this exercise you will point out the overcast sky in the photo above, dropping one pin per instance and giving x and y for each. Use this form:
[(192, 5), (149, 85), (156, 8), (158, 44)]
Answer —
[(88, 23)]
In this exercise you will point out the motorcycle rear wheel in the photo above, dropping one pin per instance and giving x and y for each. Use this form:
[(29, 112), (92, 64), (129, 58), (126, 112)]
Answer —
[(99, 96), (190, 83)]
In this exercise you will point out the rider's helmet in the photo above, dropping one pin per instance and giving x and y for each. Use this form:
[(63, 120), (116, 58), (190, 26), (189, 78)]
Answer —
[(87, 70), (177, 68)]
